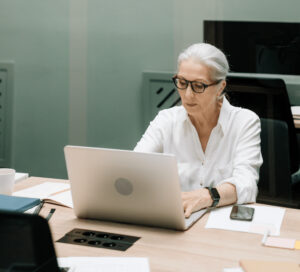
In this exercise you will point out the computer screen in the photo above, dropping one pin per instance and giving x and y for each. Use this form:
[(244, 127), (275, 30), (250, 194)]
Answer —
[(257, 47)]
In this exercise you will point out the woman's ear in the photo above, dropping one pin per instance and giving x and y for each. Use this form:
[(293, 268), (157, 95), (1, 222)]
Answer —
[(222, 87)]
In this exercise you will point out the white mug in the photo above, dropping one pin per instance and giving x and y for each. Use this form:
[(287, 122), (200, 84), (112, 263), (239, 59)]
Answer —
[(7, 181)]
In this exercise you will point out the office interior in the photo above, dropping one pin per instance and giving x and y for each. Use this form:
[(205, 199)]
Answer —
[(75, 68)]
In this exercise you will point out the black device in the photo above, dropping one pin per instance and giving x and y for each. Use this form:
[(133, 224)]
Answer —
[(240, 212), (214, 195), (99, 239), (26, 243), (268, 47)]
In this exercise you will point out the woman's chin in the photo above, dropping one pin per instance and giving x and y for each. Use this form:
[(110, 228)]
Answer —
[(190, 107)]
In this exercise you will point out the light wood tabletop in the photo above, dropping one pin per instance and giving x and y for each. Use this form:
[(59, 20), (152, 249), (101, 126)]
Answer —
[(197, 249)]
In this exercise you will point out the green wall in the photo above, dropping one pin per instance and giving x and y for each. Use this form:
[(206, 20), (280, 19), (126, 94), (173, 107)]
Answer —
[(79, 63), (58, 44), (34, 34), (124, 39)]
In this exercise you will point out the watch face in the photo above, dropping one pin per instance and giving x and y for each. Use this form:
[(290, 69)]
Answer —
[(215, 194)]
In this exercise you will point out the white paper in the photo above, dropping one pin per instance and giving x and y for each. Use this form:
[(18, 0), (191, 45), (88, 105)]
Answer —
[(20, 176), (43, 190), (105, 264), (235, 269), (295, 110), (265, 218), (31, 210), (64, 198)]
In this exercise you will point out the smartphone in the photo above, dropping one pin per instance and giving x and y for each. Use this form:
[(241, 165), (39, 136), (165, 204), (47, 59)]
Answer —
[(240, 212)]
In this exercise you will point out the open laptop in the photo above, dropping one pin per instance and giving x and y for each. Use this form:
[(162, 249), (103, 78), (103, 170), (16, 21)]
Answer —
[(126, 186)]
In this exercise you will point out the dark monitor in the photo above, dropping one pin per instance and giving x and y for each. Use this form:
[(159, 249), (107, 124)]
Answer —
[(26, 243), (257, 47)]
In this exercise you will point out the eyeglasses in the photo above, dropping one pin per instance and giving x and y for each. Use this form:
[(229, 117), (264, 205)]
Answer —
[(197, 86)]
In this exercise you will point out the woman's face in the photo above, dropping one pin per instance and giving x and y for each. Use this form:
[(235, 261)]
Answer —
[(198, 102)]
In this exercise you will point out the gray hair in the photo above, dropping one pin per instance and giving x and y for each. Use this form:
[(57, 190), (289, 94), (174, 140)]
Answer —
[(209, 56)]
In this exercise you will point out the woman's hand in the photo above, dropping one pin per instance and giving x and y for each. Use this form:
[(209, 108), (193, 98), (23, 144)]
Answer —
[(200, 199), (195, 201)]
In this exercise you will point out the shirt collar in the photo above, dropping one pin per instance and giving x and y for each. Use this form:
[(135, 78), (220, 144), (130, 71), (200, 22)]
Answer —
[(224, 114), (223, 117)]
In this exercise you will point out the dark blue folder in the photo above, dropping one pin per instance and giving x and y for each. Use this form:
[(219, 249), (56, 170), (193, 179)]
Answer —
[(17, 203)]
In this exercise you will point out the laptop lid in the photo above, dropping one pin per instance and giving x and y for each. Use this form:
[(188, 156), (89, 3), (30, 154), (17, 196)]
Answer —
[(126, 186), (26, 243)]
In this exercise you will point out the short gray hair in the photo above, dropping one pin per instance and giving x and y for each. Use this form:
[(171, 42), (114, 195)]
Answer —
[(209, 56)]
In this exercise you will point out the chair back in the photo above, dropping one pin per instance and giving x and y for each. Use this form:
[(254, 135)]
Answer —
[(268, 98), (26, 243), (275, 177)]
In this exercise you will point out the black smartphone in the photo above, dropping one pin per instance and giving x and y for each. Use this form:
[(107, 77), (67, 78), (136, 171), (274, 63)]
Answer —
[(240, 212)]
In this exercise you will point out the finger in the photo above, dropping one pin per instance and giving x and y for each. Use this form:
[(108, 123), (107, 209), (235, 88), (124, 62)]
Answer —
[(188, 211), (185, 205)]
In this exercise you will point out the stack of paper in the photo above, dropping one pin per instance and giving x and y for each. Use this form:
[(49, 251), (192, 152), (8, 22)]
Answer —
[(107, 264), (296, 112), (20, 176), (51, 192)]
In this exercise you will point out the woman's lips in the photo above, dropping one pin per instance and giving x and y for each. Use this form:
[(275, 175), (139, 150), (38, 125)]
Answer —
[(191, 105)]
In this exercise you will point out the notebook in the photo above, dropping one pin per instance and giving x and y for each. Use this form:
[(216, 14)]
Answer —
[(126, 186), (16, 203), (269, 266)]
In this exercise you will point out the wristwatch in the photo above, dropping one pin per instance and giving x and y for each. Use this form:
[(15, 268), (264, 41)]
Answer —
[(214, 195)]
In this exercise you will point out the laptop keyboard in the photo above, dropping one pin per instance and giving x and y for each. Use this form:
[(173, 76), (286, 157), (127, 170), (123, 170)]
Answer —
[(194, 217)]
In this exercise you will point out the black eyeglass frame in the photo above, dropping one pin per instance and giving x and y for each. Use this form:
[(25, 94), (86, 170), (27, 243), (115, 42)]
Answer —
[(191, 82)]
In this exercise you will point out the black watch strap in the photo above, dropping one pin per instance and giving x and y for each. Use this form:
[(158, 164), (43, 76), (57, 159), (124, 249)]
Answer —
[(214, 195)]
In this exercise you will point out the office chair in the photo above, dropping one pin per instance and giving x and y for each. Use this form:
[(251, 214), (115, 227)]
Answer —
[(26, 243), (268, 98), (275, 177)]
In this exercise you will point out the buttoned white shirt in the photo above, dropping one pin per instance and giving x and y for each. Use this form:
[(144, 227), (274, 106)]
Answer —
[(232, 153)]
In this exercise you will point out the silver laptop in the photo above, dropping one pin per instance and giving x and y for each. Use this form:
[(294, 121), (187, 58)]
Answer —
[(126, 186)]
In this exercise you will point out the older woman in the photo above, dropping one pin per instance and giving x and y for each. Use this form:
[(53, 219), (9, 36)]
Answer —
[(217, 146)]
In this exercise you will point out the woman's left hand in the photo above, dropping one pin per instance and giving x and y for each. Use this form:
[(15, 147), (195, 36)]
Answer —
[(195, 201)]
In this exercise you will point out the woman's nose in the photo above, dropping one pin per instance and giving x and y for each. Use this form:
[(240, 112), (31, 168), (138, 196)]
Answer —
[(189, 92)]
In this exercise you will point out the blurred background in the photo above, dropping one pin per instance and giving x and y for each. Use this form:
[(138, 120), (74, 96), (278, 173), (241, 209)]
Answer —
[(75, 68)]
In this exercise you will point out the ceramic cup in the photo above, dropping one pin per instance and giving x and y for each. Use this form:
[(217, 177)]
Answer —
[(7, 181)]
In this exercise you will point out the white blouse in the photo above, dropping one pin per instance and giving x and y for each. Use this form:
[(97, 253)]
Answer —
[(232, 153)]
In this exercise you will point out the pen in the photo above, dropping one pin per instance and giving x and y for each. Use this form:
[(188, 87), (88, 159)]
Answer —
[(38, 208), (50, 214), (265, 237)]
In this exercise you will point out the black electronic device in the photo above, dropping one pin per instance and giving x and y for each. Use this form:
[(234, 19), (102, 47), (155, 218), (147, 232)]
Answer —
[(257, 47), (215, 196), (240, 212), (26, 243), (99, 239)]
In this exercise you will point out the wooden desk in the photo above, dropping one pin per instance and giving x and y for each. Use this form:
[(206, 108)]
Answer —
[(197, 249), (297, 123)]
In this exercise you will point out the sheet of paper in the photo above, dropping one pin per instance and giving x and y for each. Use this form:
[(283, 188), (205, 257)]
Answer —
[(43, 190), (107, 264), (295, 110), (31, 211), (64, 198), (20, 176), (235, 269), (265, 218)]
